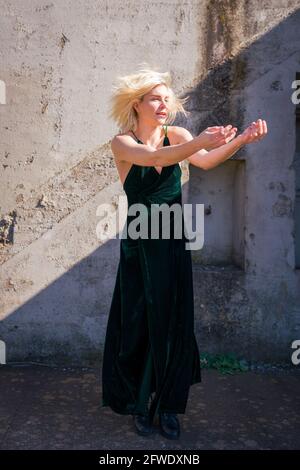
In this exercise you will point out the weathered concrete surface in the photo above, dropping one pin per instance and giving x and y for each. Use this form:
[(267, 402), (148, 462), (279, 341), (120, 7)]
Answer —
[(59, 408), (237, 61)]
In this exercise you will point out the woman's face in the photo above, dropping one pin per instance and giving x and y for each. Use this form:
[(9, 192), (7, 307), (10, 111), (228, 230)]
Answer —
[(154, 106)]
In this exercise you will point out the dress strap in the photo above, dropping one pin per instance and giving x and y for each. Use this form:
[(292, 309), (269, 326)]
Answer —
[(135, 136), (164, 128)]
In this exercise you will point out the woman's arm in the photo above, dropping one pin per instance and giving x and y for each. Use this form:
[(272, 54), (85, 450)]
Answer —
[(125, 148), (207, 159), (217, 156), (210, 159)]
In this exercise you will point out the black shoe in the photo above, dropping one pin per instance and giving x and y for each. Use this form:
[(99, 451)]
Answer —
[(169, 425), (143, 425)]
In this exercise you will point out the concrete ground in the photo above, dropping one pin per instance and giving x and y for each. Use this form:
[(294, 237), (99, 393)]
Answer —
[(45, 407)]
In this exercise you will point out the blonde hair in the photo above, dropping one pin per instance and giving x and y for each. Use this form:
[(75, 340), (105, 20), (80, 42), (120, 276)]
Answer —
[(132, 88)]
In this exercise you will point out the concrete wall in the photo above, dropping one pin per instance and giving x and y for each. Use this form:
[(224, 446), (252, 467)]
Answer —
[(236, 61)]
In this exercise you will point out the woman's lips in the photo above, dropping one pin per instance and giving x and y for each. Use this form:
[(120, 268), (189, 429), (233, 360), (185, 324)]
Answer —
[(161, 114)]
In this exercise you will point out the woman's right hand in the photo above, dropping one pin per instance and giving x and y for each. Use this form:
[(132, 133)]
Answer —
[(213, 137)]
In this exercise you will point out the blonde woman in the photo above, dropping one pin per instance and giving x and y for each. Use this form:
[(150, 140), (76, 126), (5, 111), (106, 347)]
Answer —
[(151, 357)]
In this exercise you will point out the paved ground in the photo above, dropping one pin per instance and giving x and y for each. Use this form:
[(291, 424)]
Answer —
[(58, 408)]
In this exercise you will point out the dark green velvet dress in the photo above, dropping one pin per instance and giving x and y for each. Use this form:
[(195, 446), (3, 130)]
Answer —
[(150, 349)]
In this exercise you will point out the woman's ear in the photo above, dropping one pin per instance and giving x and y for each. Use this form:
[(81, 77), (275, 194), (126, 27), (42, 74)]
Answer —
[(135, 106), (136, 103)]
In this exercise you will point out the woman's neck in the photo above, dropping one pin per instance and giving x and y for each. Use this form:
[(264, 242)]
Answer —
[(150, 136)]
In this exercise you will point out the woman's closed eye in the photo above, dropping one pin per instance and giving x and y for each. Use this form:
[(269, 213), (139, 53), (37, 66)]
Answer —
[(155, 99)]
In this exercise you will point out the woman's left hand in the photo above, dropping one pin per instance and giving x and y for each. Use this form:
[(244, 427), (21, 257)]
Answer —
[(255, 132)]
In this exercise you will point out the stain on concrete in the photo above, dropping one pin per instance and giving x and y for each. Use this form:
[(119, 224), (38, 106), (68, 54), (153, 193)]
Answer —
[(283, 207), (7, 227), (62, 42), (276, 85), (277, 185)]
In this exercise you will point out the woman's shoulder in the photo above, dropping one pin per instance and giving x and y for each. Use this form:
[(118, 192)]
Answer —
[(179, 134), (122, 134)]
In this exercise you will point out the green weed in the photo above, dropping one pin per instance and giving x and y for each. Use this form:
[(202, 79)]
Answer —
[(224, 363)]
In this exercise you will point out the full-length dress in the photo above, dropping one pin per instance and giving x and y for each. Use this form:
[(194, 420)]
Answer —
[(150, 348)]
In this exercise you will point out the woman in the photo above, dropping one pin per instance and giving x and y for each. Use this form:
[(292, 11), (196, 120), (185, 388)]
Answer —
[(150, 349)]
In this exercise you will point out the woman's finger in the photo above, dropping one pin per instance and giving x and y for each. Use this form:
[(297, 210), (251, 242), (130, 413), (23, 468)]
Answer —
[(255, 129), (260, 127), (215, 128), (209, 130), (228, 129), (265, 126)]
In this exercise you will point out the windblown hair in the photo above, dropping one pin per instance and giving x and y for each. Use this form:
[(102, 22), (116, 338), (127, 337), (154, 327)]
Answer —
[(132, 88)]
